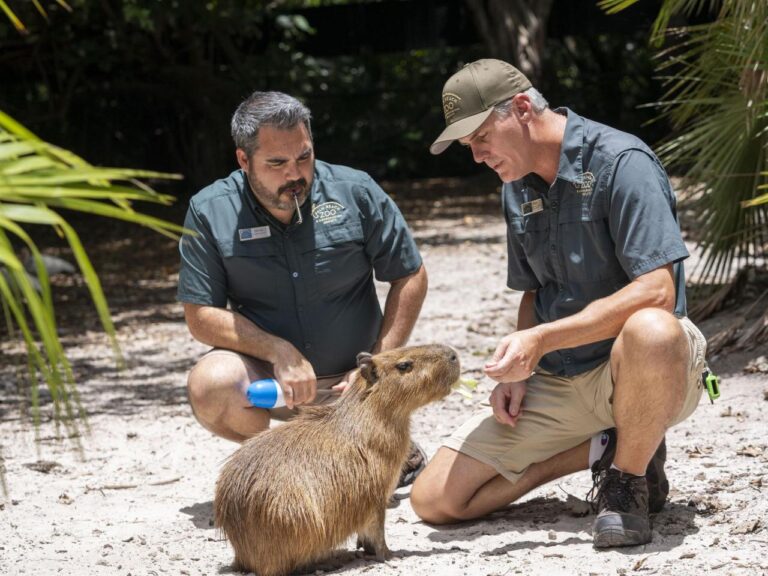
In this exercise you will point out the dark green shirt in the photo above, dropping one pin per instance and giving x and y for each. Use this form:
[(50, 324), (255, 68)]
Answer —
[(311, 283), (608, 218)]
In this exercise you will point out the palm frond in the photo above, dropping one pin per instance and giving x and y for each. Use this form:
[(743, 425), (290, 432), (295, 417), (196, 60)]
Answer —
[(36, 180), (12, 17)]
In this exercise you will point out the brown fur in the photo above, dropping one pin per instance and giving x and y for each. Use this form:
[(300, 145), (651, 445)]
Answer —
[(291, 494)]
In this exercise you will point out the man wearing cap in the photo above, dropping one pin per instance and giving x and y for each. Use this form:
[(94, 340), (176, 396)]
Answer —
[(278, 278), (602, 340)]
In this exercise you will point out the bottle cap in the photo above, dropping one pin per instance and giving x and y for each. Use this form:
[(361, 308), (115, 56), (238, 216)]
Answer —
[(265, 393)]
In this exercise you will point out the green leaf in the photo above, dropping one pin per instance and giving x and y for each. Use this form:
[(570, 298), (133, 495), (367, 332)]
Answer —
[(12, 17), (35, 178)]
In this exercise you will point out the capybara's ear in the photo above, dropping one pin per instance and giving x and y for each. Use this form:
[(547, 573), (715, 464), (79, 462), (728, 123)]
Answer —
[(367, 367)]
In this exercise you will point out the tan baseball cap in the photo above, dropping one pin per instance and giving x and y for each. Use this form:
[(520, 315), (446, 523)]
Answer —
[(470, 95)]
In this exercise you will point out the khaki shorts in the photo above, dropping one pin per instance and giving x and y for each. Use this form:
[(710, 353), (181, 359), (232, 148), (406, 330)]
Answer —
[(258, 369), (560, 413)]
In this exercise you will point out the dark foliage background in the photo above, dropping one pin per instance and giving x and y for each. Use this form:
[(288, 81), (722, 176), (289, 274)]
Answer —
[(152, 84)]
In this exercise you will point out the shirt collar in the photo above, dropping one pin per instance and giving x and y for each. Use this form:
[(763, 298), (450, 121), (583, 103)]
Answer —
[(570, 167)]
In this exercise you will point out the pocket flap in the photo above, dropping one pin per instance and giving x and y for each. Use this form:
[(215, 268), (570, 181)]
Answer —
[(329, 236)]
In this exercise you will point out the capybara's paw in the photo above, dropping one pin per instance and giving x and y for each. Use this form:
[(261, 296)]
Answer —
[(383, 554)]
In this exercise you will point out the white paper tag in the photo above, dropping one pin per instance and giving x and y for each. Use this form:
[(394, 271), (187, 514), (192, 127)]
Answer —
[(256, 233)]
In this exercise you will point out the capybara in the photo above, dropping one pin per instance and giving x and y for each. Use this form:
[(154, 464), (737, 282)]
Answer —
[(290, 495)]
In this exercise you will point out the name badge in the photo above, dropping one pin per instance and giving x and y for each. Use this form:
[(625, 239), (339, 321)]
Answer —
[(256, 233), (532, 207)]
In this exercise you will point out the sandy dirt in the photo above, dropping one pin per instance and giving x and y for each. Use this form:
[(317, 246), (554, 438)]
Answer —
[(132, 494)]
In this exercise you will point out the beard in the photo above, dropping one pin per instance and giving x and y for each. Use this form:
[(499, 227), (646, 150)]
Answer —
[(282, 199)]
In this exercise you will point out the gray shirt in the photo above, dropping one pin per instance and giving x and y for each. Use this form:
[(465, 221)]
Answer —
[(311, 283), (608, 218)]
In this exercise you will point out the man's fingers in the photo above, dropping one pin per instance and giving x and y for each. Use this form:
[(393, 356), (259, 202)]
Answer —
[(340, 387), (307, 393), (516, 399), (301, 392), (505, 362), (498, 354), (288, 396), (498, 402), (517, 394)]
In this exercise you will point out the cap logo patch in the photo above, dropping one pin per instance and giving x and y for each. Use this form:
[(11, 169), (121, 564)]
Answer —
[(327, 212), (450, 105)]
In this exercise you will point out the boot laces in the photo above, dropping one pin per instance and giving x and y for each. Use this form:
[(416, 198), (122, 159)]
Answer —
[(616, 492)]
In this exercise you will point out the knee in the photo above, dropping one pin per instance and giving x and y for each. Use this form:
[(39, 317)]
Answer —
[(653, 331), (431, 504), (208, 386)]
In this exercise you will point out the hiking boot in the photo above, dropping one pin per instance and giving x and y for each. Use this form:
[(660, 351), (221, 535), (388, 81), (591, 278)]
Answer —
[(658, 485), (622, 511), (412, 466)]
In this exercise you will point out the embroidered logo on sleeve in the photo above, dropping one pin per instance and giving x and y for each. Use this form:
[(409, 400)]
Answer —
[(587, 184), (256, 233), (327, 212)]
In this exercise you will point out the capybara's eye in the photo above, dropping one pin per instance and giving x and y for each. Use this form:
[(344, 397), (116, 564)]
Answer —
[(404, 366)]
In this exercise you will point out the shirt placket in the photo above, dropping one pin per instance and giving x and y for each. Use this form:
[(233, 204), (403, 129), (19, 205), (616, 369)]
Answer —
[(555, 250), (292, 251)]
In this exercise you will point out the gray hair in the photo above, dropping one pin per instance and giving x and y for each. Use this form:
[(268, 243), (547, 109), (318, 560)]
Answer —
[(538, 103), (266, 109)]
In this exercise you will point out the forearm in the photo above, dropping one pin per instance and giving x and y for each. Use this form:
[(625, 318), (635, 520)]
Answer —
[(223, 328), (604, 318), (401, 310)]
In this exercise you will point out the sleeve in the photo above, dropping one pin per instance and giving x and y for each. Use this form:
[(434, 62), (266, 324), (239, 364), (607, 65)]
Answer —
[(202, 278), (520, 275), (642, 216), (389, 243)]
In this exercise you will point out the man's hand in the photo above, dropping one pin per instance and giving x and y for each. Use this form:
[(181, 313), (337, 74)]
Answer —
[(296, 377), (515, 357), (506, 400), (345, 382)]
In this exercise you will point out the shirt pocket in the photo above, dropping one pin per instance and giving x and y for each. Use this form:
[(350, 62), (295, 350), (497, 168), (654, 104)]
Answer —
[(338, 260), (256, 275), (532, 234), (588, 251)]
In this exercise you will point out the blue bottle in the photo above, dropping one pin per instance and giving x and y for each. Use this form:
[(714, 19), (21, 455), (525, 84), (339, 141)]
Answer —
[(265, 393)]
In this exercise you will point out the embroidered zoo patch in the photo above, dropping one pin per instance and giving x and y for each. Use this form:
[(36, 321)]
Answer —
[(327, 212), (584, 188)]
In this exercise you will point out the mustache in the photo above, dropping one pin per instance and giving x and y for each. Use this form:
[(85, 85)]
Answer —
[(301, 182)]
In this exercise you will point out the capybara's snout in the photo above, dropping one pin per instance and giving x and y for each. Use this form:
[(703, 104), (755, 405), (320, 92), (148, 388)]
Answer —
[(452, 366), (436, 368)]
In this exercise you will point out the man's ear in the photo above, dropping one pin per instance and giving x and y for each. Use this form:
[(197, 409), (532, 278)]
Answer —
[(522, 108), (242, 159), (367, 367)]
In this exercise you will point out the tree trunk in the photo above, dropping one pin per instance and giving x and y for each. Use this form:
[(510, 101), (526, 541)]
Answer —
[(514, 31)]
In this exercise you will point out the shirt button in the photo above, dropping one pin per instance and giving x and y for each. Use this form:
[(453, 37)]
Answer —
[(295, 274), (553, 247), (307, 346), (554, 204)]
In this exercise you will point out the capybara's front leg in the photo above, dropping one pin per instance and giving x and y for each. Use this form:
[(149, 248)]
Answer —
[(371, 538)]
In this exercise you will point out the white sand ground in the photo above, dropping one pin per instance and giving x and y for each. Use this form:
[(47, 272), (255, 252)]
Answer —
[(136, 498)]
